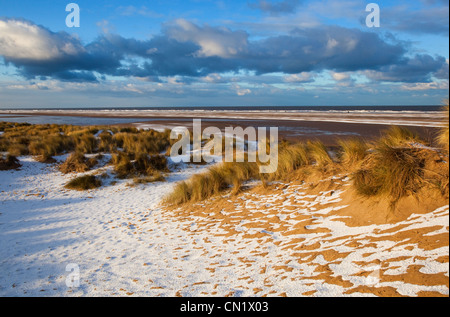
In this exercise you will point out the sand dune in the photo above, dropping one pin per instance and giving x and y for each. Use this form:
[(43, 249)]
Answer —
[(292, 239)]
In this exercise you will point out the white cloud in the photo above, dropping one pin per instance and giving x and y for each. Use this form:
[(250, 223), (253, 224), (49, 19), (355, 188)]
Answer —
[(241, 91), (340, 76), (303, 77), (221, 42), (23, 40), (425, 86)]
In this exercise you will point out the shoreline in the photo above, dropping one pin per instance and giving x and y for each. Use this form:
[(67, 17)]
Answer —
[(408, 118), (293, 126)]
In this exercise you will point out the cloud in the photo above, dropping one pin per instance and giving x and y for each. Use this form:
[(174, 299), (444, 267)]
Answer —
[(299, 78), (425, 86), (241, 91), (340, 76), (330, 47), (23, 40), (418, 69), (185, 49), (221, 42)]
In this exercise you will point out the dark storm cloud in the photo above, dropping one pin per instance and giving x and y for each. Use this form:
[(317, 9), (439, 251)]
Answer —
[(333, 48), (418, 69), (186, 49)]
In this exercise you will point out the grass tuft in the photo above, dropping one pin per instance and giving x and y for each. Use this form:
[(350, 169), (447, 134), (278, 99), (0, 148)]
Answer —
[(86, 182), (9, 162), (319, 153), (390, 171), (77, 163), (442, 138), (352, 151), (397, 136), (216, 179)]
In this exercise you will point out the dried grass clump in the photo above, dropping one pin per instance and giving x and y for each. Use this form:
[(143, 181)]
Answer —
[(352, 151), (86, 143), (319, 154), (218, 178), (86, 182), (142, 165), (390, 171), (155, 177), (397, 136), (442, 138), (122, 165), (77, 163), (9, 162), (290, 159)]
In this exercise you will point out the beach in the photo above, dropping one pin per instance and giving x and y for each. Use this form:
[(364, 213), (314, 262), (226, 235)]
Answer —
[(286, 240), (294, 125), (308, 235)]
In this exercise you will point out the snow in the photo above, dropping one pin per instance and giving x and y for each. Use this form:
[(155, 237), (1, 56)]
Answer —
[(124, 243), (44, 227)]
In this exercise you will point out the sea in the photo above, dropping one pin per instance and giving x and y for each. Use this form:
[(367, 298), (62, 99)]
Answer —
[(23, 114)]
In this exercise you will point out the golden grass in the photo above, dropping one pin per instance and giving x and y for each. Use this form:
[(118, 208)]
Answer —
[(228, 175), (352, 151), (393, 167), (142, 164), (390, 171), (290, 159), (442, 138), (399, 136), (319, 153), (77, 163), (50, 140)]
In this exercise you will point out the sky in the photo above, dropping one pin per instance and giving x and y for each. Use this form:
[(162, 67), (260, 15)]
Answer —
[(222, 53)]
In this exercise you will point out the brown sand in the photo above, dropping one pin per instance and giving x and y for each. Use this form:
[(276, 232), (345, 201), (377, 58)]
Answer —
[(259, 209)]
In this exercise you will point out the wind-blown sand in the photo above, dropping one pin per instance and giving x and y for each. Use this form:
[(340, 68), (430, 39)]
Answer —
[(292, 239)]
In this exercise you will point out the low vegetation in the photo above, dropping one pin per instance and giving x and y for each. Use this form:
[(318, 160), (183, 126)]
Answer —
[(442, 137), (135, 153), (142, 164), (77, 163), (397, 165), (352, 151), (86, 182), (9, 163)]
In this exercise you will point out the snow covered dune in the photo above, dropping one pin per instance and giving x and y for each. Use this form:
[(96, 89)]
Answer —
[(286, 241)]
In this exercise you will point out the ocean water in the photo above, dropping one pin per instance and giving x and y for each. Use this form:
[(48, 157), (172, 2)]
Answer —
[(70, 120), (256, 108)]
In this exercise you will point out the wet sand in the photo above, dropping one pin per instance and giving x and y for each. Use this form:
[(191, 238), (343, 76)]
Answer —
[(327, 132)]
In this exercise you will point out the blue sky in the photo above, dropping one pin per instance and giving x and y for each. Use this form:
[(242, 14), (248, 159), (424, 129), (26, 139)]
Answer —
[(219, 53)]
